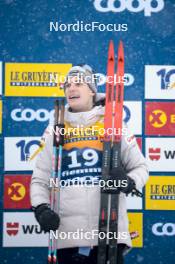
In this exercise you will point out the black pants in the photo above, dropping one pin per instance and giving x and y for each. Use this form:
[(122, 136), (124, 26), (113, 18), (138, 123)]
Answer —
[(71, 256)]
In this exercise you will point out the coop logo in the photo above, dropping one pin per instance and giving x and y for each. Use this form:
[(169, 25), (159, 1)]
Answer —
[(132, 114), (161, 229), (167, 78), (158, 118), (29, 115), (148, 6), (25, 148), (12, 229), (16, 191), (127, 114)]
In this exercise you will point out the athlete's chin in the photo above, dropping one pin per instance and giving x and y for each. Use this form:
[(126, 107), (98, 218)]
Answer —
[(76, 106)]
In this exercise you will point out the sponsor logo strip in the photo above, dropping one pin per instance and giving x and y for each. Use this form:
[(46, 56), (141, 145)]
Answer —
[(160, 154), (22, 230), (160, 118), (35, 79), (136, 229), (159, 82), (160, 193), (23, 149), (16, 191)]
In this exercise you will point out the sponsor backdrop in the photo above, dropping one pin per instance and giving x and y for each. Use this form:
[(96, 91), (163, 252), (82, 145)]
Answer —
[(39, 43)]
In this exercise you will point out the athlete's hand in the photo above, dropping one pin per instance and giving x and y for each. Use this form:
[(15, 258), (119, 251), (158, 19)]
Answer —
[(47, 218), (125, 182)]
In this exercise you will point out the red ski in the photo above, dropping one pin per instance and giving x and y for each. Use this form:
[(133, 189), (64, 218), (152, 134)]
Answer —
[(111, 154)]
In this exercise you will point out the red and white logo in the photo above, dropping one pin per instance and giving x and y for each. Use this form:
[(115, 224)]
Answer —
[(154, 153), (160, 153), (22, 230)]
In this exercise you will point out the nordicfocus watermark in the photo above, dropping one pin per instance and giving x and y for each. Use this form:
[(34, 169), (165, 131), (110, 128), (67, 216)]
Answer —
[(97, 78), (80, 26), (88, 182), (80, 130), (80, 234)]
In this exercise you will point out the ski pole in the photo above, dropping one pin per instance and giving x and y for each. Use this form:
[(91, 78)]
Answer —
[(58, 141)]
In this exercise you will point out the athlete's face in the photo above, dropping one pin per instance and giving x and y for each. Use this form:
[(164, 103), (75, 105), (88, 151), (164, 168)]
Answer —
[(79, 96)]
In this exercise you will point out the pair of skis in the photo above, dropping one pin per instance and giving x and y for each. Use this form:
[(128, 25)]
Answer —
[(58, 141), (109, 207)]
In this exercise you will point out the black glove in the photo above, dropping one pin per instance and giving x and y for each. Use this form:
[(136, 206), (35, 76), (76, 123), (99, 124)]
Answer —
[(47, 218), (118, 181), (125, 182)]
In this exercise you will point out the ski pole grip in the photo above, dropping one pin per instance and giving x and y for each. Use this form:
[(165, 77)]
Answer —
[(59, 135)]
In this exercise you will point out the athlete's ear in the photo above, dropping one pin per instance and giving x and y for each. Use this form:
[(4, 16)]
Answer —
[(91, 93)]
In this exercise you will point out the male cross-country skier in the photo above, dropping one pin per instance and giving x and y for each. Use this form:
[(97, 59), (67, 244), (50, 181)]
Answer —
[(82, 159)]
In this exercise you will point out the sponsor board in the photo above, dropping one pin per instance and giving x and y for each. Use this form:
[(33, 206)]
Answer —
[(133, 202), (0, 116), (35, 79), (136, 229), (16, 191), (30, 115), (22, 149), (159, 82), (22, 230), (21, 112), (142, 6), (33, 115), (160, 193), (160, 118), (132, 115), (159, 228), (0, 78), (160, 154)]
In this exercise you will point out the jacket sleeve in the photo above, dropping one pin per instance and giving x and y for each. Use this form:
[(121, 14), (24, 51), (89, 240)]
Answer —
[(133, 160), (39, 188)]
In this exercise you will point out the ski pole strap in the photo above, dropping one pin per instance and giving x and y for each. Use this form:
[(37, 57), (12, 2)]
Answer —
[(137, 193)]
